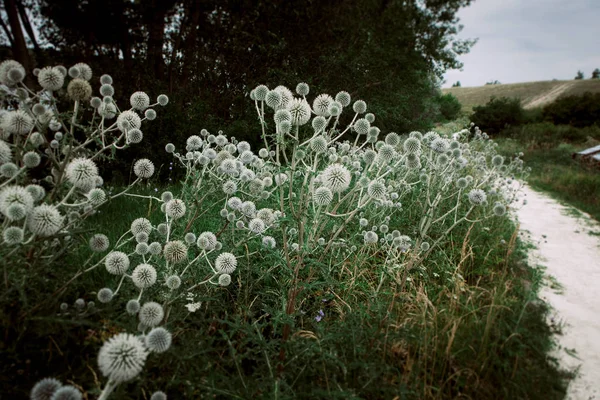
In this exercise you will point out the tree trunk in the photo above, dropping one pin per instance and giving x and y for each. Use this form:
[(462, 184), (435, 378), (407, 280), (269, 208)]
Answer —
[(19, 47)]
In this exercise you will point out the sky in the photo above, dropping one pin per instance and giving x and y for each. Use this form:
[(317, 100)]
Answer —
[(528, 40)]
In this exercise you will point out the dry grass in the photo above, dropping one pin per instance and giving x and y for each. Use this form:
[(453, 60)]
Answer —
[(532, 94)]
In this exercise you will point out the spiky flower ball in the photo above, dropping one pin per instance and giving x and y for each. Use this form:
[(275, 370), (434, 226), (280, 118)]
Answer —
[(158, 396), (44, 220), (499, 209), (336, 177), (300, 112), (132, 307), (370, 237), (175, 251), (477, 197), (322, 196), (359, 106), (440, 145), (497, 160), (67, 392), (99, 243), (116, 262), (44, 389), (134, 136), (273, 98), (318, 144), (17, 122), (139, 101), (412, 161), (144, 276), (79, 90), (377, 189), (9, 170), (302, 89), (107, 110), (224, 280), (173, 282), (226, 263), (128, 120), (141, 225), (206, 241), (321, 105), (386, 153), (343, 98), (84, 71), (175, 208), (13, 235), (31, 159), (105, 295), (143, 168), (11, 72), (412, 145), (361, 126), (82, 173), (151, 314), (122, 357), (158, 340), (5, 152)]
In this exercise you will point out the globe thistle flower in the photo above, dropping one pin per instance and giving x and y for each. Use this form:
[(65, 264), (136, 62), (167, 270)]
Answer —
[(17, 122), (246, 157), (116, 263), (318, 123), (402, 243), (44, 220), (286, 96), (139, 101), (318, 144), (107, 110), (302, 89), (321, 105), (173, 282), (477, 197), (96, 196), (336, 177), (425, 246), (377, 189), (99, 243), (359, 106), (269, 242), (36, 139), (226, 263), (412, 145), (11, 72), (273, 99), (300, 112), (142, 248), (67, 393), (248, 208), (132, 307), (5, 152), (31, 159), (155, 248), (106, 79), (16, 212), (151, 314), (158, 340), (386, 153), (461, 162), (175, 251), (158, 396), (107, 90), (261, 92), (442, 160), (128, 120), (412, 161), (370, 237), (144, 276), (499, 209), (462, 183), (85, 72), (256, 226), (122, 357), (82, 173), (9, 170), (334, 109), (162, 99), (393, 139), (143, 168), (175, 208), (105, 295), (140, 225), (322, 196), (497, 161), (440, 145), (224, 280), (134, 136), (13, 235), (79, 90), (44, 389), (234, 203), (190, 238), (361, 126)]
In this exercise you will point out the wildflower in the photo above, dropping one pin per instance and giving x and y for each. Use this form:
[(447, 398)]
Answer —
[(477, 197), (158, 340), (122, 357), (175, 251), (105, 295), (143, 168), (79, 90), (321, 105), (45, 389), (226, 263), (224, 280), (336, 177), (299, 111), (139, 101), (44, 220), (319, 316), (144, 276), (151, 314)]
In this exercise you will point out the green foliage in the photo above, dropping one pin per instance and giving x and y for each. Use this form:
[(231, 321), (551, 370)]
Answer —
[(596, 73), (449, 106), (577, 111), (579, 75), (498, 114)]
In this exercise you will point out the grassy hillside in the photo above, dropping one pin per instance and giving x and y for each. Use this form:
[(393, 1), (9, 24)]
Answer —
[(532, 94)]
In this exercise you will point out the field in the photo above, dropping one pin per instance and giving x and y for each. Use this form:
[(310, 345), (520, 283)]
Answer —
[(532, 94)]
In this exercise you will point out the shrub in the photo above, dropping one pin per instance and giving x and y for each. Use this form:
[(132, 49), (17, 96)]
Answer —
[(498, 114), (449, 106), (578, 111)]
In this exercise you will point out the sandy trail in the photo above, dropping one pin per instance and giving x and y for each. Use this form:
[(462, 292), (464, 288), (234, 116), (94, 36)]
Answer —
[(572, 256), (549, 97)]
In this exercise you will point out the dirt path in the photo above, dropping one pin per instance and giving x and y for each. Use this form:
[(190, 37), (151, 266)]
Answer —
[(572, 257), (548, 97)]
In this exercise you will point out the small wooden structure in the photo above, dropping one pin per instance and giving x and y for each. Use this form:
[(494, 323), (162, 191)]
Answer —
[(589, 156)]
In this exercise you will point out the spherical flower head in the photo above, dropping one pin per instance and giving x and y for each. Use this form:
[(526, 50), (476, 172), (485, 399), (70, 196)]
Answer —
[(155, 248), (175, 208), (107, 110), (150, 114), (412, 161), (143, 168), (99, 243), (44, 220), (206, 241), (82, 172), (128, 120), (51, 78), (158, 396), (477, 197), (442, 160), (175, 251), (144, 276), (85, 72), (322, 196), (142, 248), (226, 263), (286, 96), (224, 280), (359, 106), (377, 189), (122, 357), (370, 237), (139, 101), (269, 242), (106, 79), (402, 243), (343, 98), (499, 209), (260, 92), (162, 99), (302, 89), (321, 105), (9, 170), (132, 307), (116, 263), (134, 136), (13, 235), (173, 282), (300, 112), (11, 72), (141, 225), (393, 139), (440, 145), (105, 295), (497, 161), (386, 153), (67, 393), (16, 212), (79, 90), (31, 159), (151, 314), (194, 142), (462, 183), (273, 99), (248, 208), (17, 122), (5, 152), (44, 389), (336, 177), (107, 90), (361, 126), (256, 226), (158, 340), (412, 145), (162, 228)]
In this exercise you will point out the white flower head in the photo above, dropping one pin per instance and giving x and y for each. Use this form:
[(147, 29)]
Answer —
[(82, 173), (122, 357), (45, 220), (226, 263), (336, 177), (139, 101)]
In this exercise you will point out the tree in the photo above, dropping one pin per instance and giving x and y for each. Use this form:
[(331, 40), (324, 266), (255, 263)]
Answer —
[(579, 75), (457, 84), (596, 74)]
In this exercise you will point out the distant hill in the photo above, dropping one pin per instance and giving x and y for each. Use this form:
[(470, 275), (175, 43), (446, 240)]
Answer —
[(532, 94)]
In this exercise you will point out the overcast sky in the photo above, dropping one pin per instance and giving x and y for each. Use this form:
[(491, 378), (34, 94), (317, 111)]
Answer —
[(528, 40)]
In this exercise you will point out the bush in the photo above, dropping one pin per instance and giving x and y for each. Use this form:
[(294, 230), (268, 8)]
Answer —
[(449, 106), (577, 111), (498, 113)]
